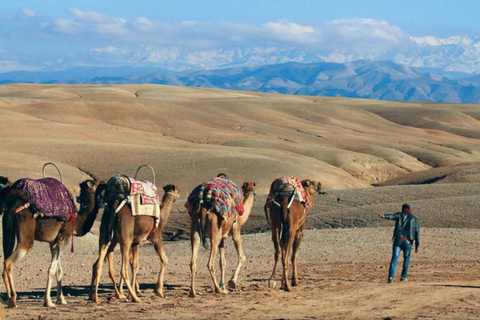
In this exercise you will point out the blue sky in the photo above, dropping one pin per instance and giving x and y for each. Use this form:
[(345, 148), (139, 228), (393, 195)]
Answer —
[(39, 33)]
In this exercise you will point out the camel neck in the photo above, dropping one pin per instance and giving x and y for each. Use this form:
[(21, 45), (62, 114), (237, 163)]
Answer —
[(86, 216), (247, 208), (167, 205)]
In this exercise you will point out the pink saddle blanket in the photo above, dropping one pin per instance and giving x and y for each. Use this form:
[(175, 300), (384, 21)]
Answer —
[(147, 190)]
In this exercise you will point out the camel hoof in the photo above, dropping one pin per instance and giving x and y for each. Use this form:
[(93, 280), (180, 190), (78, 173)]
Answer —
[(159, 293), (11, 304), (272, 284), (49, 304), (192, 294), (136, 300), (121, 297), (232, 284), (61, 301)]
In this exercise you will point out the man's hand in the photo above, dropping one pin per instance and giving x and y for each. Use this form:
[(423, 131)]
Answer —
[(381, 215)]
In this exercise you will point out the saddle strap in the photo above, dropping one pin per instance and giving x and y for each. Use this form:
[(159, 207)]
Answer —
[(25, 206)]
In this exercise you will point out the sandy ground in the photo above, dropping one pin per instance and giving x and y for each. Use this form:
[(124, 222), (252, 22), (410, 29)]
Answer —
[(342, 276)]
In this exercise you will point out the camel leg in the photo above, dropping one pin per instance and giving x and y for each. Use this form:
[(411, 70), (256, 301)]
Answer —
[(125, 249), (52, 272), (237, 241), (222, 262), (215, 235), (296, 246), (59, 274), (111, 271), (17, 255), (135, 267), (276, 244), (285, 254), (195, 244), (97, 272), (158, 245)]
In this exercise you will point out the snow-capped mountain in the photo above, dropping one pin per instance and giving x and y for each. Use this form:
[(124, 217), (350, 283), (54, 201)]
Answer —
[(383, 80), (452, 55)]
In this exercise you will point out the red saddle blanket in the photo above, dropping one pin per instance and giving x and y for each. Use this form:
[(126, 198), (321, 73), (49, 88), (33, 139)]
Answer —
[(288, 183), (48, 195)]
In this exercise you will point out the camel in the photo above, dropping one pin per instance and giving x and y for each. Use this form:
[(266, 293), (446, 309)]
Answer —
[(21, 221), (287, 219), (206, 222), (129, 231)]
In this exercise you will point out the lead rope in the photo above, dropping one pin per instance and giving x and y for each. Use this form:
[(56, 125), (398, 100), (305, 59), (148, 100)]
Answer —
[(73, 217)]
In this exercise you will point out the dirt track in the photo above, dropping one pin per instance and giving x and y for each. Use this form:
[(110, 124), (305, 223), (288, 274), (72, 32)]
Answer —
[(342, 276)]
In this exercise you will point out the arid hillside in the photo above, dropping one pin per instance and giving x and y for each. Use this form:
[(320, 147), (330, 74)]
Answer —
[(189, 135)]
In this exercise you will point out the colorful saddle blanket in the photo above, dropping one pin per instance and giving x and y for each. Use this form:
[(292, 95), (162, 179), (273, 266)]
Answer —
[(48, 195), (288, 184), (220, 194)]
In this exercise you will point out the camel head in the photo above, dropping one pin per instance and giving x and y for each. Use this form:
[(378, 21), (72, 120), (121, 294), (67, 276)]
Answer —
[(171, 189), (90, 199), (4, 182), (311, 187), (89, 187), (249, 188)]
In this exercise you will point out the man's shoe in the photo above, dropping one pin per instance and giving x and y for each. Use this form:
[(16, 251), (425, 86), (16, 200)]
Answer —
[(390, 280), (403, 279)]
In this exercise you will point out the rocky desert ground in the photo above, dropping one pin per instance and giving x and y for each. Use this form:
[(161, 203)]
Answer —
[(371, 156)]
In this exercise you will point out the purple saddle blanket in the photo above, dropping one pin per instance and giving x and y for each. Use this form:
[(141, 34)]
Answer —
[(49, 196)]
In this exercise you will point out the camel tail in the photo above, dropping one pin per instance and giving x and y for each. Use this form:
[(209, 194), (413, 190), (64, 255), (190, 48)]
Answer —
[(203, 226), (285, 221), (108, 222), (9, 234)]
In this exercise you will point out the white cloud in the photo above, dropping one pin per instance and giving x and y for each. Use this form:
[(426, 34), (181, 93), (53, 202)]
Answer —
[(28, 13), (289, 31), (363, 32)]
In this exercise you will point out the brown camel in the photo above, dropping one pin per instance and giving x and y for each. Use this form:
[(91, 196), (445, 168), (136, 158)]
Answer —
[(129, 231), (21, 221), (217, 230), (288, 217)]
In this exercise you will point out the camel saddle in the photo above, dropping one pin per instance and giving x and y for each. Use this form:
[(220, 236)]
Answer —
[(287, 185), (47, 196), (219, 195), (142, 195)]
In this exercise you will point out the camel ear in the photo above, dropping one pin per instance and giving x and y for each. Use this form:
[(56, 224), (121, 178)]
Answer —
[(90, 184), (306, 183), (244, 185)]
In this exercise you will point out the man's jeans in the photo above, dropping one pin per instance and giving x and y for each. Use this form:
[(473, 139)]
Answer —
[(406, 247)]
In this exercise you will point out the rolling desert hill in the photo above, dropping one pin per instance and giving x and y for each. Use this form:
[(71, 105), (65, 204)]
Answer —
[(189, 135)]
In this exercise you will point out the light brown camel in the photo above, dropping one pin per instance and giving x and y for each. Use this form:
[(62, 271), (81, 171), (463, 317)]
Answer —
[(288, 217), (217, 230), (129, 231), (21, 222)]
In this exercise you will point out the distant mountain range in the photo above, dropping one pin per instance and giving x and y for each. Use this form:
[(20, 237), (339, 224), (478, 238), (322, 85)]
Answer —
[(383, 80)]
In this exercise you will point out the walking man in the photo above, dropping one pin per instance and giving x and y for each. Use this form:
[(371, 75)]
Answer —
[(406, 231)]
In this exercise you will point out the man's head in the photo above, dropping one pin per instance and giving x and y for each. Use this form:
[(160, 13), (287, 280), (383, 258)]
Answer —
[(406, 208)]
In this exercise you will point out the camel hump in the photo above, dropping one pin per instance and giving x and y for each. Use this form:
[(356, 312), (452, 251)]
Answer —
[(285, 186)]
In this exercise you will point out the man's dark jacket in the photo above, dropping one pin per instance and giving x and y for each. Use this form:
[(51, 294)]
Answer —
[(406, 226)]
